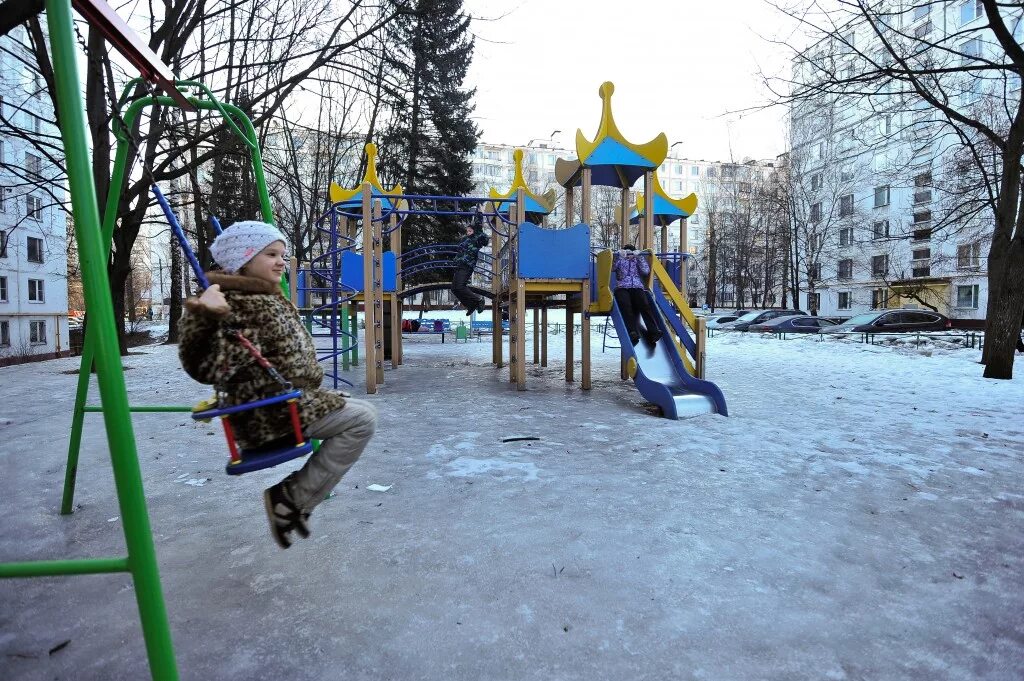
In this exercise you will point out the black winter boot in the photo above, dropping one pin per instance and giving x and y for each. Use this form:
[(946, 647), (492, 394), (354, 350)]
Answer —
[(284, 516)]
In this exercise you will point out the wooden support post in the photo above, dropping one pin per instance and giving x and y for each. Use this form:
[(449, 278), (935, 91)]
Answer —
[(647, 224), (396, 302), (378, 290), (570, 208), (702, 337), (520, 371), (496, 334), (293, 281), (664, 238), (536, 336), (369, 335), (585, 334), (569, 359), (513, 290), (624, 227), (544, 335)]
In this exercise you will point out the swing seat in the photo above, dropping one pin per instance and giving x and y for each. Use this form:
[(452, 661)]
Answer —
[(269, 455)]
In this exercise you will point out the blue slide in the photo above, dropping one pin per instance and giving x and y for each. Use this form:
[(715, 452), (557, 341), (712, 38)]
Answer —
[(661, 376)]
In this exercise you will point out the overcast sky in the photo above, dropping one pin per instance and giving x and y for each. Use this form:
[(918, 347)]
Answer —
[(679, 67)]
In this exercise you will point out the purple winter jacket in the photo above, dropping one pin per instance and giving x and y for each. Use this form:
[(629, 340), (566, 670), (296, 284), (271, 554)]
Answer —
[(630, 272)]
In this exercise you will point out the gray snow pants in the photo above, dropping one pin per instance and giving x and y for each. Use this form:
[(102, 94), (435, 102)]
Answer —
[(343, 435)]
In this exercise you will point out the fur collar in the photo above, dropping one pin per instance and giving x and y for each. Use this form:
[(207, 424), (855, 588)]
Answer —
[(242, 283)]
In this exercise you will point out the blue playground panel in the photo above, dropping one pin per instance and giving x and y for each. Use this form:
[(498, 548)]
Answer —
[(554, 253), (352, 271)]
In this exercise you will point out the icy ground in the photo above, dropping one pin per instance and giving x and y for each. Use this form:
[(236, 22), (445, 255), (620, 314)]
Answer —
[(860, 515)]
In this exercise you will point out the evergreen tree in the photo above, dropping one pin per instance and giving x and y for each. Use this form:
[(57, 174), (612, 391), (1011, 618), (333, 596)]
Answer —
[(427, 142)]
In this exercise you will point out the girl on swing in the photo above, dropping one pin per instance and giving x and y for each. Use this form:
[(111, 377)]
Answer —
[(246, 295)]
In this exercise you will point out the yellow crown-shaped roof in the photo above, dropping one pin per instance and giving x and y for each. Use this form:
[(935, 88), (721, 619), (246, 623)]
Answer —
[(339, 195), (534, 204), (666, 208)]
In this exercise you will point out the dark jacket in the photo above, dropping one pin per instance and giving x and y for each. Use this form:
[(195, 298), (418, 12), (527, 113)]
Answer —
[(469, 249), (211, 355)]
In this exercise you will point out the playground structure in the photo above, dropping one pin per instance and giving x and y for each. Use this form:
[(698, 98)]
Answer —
[(530, 267)]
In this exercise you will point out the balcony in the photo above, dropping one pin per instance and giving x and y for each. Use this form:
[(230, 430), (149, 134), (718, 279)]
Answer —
[(922, 196)]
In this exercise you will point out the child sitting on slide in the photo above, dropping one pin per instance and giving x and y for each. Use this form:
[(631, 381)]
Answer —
[(631, 269), (247, 296)]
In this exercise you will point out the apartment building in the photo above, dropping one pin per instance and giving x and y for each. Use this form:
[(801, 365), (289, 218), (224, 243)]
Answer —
[(879, 178), (33, 223)]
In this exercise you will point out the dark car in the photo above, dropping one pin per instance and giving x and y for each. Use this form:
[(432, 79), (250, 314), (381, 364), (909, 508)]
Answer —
[(901, 321), (758, 317), (792, 324)]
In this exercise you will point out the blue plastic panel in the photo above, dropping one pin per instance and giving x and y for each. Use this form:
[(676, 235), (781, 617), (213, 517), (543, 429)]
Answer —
[(554, 253), (352, 271)]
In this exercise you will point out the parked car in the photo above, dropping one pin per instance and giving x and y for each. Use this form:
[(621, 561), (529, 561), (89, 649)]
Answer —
[(901, 321), (718, 321), (791, 324), (759, 316)]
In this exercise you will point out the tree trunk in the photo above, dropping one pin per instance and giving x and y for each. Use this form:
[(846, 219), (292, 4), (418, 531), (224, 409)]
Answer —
[(1006, 308), (174, 313)]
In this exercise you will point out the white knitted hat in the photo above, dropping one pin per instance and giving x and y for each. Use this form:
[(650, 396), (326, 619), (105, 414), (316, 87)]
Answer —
[(241, 242)]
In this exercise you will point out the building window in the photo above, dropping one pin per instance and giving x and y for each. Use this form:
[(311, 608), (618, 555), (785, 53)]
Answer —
[(880, 265), (967, 296), (970, 50), (968, 256), (33, 164), (3, 289), (922, 187), (816, 181), (845, 269), (879, 299), (922, 234), (816, 212), (846, 205), (34, 207), (970, 10), (3, 198), (880, 229), (37, 332), (881, 196), (3, 152), (846, 173), (922, 218), (845, 300), (36, 293), (5, 334), (694, 171), (4, 236), (846, 236), (921, 265), (35, 249)]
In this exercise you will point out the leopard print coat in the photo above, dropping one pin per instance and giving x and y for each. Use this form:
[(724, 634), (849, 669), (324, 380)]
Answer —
[(211, 355)]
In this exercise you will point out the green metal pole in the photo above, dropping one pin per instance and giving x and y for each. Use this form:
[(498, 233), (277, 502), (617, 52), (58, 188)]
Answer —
[(57, 568), (121, 438), (77, 421)]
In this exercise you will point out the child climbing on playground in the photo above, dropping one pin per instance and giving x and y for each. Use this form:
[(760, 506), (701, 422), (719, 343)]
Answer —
[(465, 263), (631, 268), (246, 296)]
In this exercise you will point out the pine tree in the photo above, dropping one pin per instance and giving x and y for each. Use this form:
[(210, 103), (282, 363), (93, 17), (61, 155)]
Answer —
[(233, 196), (429, 138)]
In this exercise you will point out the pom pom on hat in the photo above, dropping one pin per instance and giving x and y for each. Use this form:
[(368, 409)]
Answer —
[(241, 242)]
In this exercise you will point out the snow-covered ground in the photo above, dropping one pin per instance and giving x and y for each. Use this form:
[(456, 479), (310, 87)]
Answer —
[(860, 515)]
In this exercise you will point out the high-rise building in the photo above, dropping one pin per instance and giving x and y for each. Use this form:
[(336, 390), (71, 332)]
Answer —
[(877, 175), (33, 223)]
